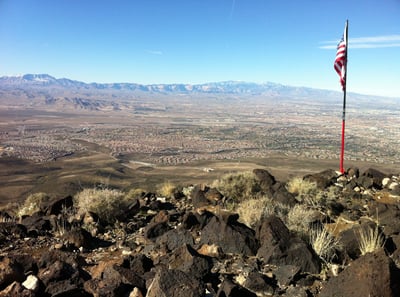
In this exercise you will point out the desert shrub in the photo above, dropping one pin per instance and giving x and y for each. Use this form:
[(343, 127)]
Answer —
[(370, 239), (305, 191), (32, 204), (251, 210), (277, 209), (166, 189), (108, 204), (324, 244), (238, 186), (299, 219)]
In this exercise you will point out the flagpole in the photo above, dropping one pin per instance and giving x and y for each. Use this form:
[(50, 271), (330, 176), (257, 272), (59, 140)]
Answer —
[(344, 102)]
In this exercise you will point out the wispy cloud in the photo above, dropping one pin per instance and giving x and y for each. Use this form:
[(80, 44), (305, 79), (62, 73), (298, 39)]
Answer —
[(153, 52), (383, 41)]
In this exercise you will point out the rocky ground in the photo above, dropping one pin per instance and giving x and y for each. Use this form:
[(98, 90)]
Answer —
[(190, 245)]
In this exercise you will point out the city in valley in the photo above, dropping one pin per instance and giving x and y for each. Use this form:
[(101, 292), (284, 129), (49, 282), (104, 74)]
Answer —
[(58, 139)]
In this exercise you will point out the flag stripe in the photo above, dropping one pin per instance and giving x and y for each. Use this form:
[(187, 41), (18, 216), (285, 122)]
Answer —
[(340, 60)]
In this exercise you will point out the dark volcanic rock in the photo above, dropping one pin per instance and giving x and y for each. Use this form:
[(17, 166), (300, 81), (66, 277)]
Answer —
[(188, 260), (175, 283), (371, 275), (199, 198), (154, 230), (36, 224), (10, 271), (230, 289), (282, 195), (323, 179), (175, 238), (376, 175), (231, 237), (58, 206), (279, 247), (258, 283), (266, 179)]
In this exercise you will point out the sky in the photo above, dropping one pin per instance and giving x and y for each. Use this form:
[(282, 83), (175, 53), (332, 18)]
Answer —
[(197, 41)]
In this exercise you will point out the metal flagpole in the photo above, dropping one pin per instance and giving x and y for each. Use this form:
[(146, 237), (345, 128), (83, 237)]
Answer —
[(344, 99)]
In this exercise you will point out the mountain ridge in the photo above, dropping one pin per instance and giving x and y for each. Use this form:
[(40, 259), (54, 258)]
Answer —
[(220, 87)]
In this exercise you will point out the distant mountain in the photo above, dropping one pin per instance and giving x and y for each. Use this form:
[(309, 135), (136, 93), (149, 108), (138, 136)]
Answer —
[(226, 87), (36, 85)]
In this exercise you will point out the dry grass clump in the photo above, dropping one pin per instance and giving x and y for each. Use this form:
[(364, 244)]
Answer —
[(251, 210), (108, 204), (32, 204), (299, 219), (238, 186), (324, 244), (166, 189), (370, 240), (305, 191)]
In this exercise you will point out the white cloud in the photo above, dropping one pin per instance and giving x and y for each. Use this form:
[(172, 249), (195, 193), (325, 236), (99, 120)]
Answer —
[(384, 41)]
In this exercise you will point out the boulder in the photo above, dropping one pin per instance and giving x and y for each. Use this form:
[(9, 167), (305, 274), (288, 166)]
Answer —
[(373, 274), (188, 260), (175, 283), (231, 237), (323, 179), (376, 175), (230, 289), (279, 247), (10, 271)]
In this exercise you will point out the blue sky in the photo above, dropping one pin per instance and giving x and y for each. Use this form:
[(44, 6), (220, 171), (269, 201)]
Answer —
[(196, 41)]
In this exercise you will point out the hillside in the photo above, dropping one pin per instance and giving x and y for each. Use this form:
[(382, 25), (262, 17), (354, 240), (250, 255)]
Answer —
[(246, 234)]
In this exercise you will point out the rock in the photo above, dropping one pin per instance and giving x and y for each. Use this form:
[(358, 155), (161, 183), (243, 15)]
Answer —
[(188, 260), (353, 172), (58, 206), (77, 238), (266, 179), (213, 196), (10, 231), (31, 283), (259, 284), (136, 293), (285, 274), (230, 289), (365, 182), (213, 251), (175, 238), (279, 247), (154, 230), (10, 271), (388, 216), (374, 274), (175, 283), (199, 198), (282, 195), (296, 292), (323, 179), (36, 224), (232, 238), (16, 290), (139, 263), (377, 177)]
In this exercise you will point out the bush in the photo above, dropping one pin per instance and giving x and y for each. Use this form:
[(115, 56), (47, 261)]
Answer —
[(32, 204), (166, 190), (324, 244), (250, 211), (299, 219), (238, 186), (305, 191), (108, 204), (370, 240)]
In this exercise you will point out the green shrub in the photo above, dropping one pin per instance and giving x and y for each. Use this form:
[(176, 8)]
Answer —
[(238, 186), (106, 203)]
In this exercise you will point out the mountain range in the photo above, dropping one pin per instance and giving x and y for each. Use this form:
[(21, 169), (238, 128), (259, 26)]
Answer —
[(32, 85)]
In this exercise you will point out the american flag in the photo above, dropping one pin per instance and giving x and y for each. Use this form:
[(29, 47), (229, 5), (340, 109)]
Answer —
[(341, 59)]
